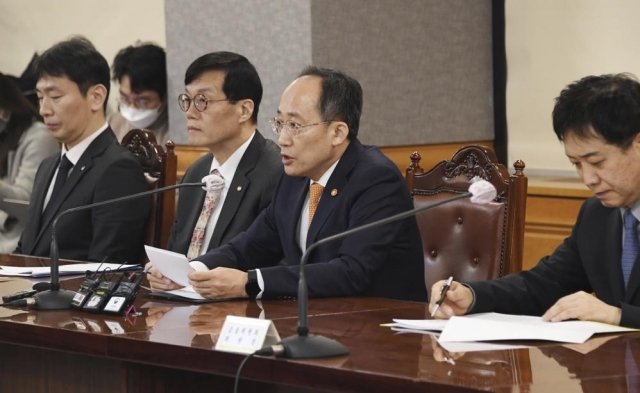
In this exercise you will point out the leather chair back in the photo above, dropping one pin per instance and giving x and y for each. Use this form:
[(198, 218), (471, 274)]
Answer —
[(468, 241), (160, 167)]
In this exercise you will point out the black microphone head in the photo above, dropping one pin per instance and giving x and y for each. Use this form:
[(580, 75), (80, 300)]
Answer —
[(42, 286)]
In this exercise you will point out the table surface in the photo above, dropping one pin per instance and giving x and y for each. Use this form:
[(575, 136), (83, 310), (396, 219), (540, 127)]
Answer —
[(182, 336)]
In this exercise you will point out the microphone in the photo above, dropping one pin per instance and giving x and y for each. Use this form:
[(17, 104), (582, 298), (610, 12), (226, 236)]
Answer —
[(57, 299), (304, 345)]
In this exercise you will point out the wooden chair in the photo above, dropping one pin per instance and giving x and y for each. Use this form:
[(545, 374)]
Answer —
[(160, 167), (468, 241)]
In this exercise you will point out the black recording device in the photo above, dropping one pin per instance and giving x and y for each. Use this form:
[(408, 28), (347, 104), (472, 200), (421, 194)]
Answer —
[(125, 295), (101, 294), (86, 289), (19, 295)]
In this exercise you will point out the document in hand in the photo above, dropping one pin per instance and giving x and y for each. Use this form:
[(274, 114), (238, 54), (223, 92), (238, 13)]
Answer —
[(175, 267), (74, 268), (494, 326)]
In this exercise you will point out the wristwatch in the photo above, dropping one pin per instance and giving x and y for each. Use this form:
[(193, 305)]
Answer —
[(252, 288)]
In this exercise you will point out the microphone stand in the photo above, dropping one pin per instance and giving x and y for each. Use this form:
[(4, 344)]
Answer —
[(57, 299), (306, 346)]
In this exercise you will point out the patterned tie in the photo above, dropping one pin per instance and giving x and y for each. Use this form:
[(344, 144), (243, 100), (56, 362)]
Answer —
[(201, 226), (63, 173), (315, 192), (631, 245)]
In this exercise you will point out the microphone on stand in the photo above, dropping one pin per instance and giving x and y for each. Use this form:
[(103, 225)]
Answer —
[(57, 299), (304, 345)]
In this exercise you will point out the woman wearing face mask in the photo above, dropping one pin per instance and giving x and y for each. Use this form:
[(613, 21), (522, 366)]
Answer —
[(24, 143)]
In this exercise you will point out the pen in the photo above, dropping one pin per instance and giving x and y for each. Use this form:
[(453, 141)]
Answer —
[(443, 294)]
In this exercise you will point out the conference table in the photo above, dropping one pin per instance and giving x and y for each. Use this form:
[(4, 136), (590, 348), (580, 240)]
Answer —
[(169, 347)]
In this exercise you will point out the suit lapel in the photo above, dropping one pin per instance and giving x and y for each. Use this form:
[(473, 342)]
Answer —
[(634, 278), (298, 194), (40, 189), (82, 167), (612, 252), (332, 192), (237, 189)]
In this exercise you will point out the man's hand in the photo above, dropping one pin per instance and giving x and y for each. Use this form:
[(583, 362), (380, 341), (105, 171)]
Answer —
[(219, 283), (585, 307), (159, 282), (456, 302)]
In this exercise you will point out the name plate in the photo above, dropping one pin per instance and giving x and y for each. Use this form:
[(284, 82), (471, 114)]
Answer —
[(246, 335)]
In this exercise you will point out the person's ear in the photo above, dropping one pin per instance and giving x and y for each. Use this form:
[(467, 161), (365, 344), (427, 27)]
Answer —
[(245, 108), (97, 95), (340, 132)]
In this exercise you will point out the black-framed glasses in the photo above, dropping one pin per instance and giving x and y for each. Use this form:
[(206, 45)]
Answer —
[(199, 101), (292, 128)]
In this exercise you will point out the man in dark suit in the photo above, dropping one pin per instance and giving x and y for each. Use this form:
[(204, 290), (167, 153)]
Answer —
[(332, 183), (72, 88), (221, 101), (598, 119)]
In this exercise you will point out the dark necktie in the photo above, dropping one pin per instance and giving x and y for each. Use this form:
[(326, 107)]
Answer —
[(61, 178), (631, 245)]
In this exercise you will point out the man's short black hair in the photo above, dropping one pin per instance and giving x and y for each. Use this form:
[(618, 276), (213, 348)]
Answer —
[(607, 104), (146, 66), (341, 97), (79, 61), (241, 80)]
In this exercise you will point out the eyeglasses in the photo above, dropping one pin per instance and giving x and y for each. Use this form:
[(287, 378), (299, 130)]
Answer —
[(292, 128), (199, 101), (139, 103)]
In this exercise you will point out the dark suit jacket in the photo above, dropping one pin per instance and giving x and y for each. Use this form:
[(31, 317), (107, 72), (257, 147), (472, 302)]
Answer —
[(249, 193), (588, 260), (105, 171), (364, 187)]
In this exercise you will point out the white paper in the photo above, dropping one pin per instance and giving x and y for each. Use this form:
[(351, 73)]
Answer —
[(187, 292), (170, 264), (74, 268), (496, 327), (435, 325), (453, 347), (493, 326)]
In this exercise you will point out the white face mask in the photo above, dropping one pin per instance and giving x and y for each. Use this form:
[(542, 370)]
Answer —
[(140, 118)]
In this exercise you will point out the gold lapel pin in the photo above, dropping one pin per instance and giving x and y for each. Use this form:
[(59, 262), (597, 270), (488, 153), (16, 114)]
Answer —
[(334, 192), (239, 188)]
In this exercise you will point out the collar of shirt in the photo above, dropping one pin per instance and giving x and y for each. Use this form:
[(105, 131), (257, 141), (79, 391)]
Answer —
[(78, 150), (324, 179), (228, 169), (635, 210)]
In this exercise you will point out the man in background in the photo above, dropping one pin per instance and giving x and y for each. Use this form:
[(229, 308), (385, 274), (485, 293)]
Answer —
[(141, 73), (73, 87)]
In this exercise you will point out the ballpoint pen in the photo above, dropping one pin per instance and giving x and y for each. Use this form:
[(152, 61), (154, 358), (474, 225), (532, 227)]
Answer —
[(443, 294)]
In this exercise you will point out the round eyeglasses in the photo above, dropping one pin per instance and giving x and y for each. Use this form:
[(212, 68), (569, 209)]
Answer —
[(199, 101), (292, 128)]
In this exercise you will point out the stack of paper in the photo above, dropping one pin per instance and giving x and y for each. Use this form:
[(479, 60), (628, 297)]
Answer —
[(175, 267), (494, 326), (75, 268)]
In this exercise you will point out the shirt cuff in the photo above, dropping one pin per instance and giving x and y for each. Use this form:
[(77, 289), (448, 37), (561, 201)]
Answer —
[(473, 302), (198, 266), (260, 284)]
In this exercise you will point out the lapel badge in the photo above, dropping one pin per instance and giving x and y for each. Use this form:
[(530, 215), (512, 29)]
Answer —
[(334, 192), (82, 169), (239, 188)]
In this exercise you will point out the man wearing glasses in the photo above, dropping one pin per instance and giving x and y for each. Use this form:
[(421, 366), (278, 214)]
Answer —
[(221, 101), (141, 73), (332, 183)]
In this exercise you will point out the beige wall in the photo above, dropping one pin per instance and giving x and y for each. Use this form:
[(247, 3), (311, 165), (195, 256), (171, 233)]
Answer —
[(551, 43), (34, 25)]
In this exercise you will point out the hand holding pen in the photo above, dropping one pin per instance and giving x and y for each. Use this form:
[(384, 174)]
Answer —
[(449, 298), (443, 295)]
